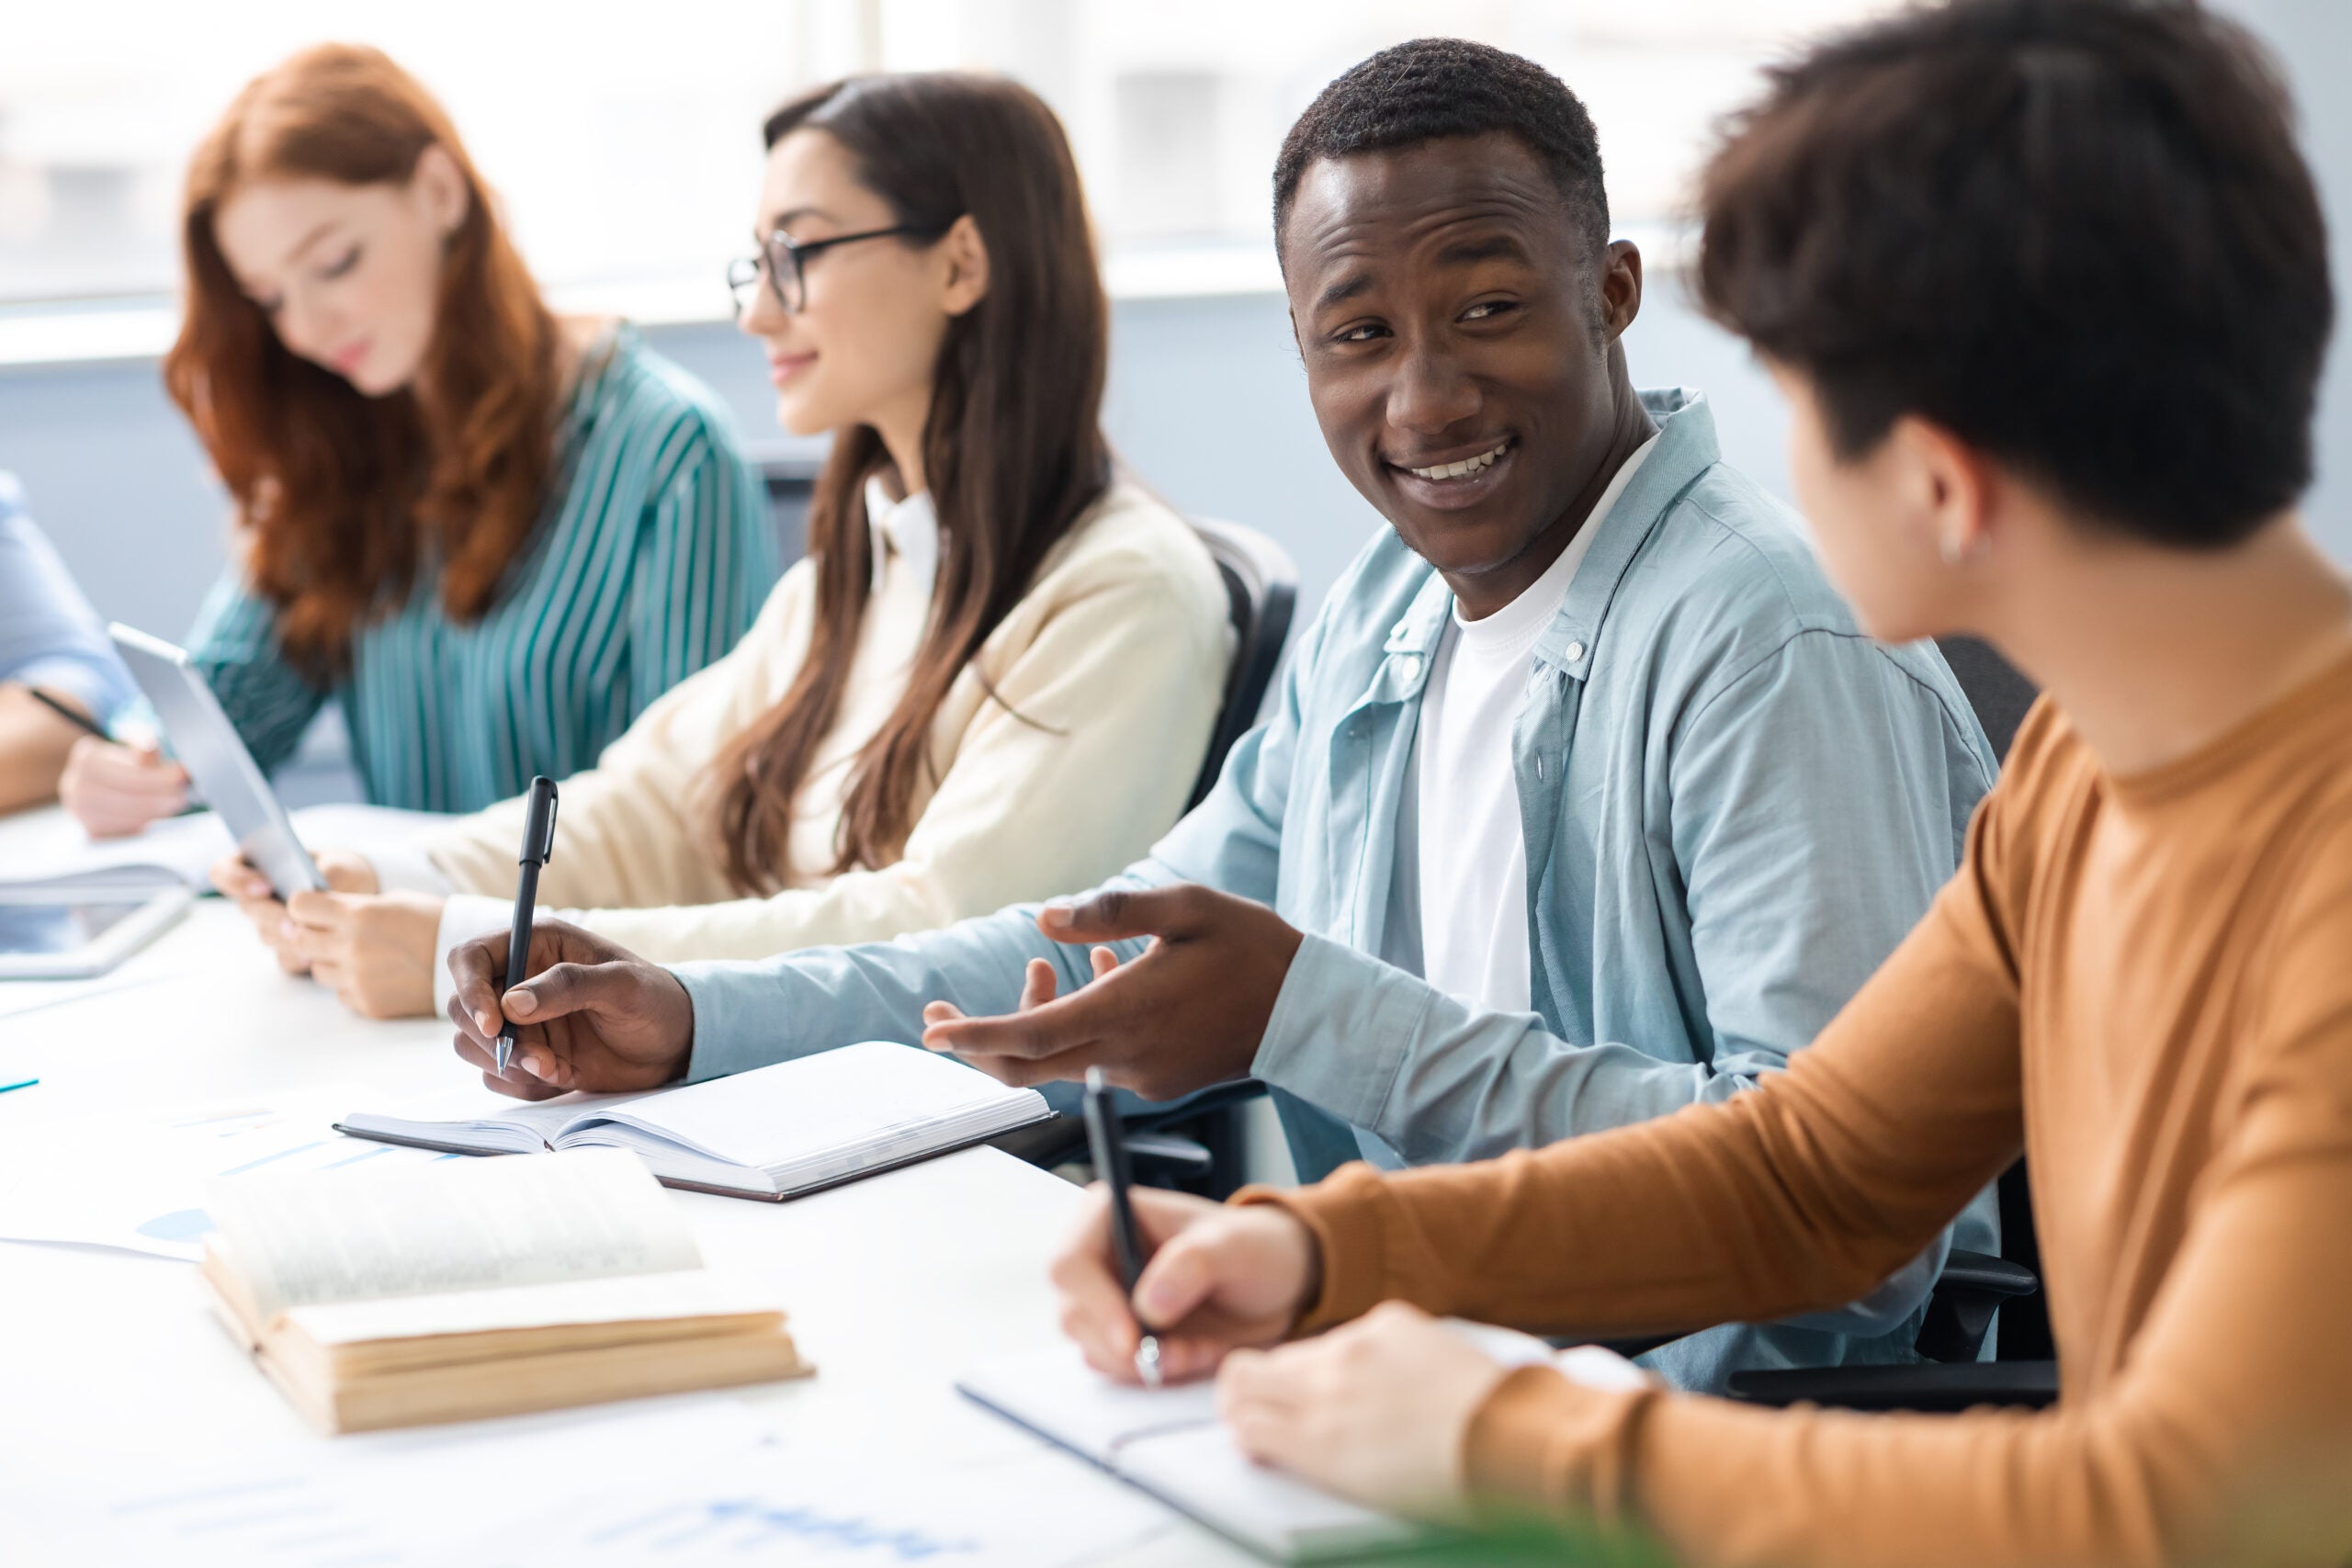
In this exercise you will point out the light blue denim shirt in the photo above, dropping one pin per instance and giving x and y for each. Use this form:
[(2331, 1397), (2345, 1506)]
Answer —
[(1735, 805), (49, 637)]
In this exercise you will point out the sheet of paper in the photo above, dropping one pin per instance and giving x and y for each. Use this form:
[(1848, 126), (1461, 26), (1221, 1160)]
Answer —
[(136, 1183), (804, 1504), (386, 1500), (46, 845), (687, 1480), (358, 1235)]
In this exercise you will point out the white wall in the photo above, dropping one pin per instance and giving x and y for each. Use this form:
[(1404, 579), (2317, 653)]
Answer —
[(1207, 402)]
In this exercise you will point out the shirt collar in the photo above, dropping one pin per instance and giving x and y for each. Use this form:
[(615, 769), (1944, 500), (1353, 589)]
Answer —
[(1683, 448), (1511, 631), (908, 529)]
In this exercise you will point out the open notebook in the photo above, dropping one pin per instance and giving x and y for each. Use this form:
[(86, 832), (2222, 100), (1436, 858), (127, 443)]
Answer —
[(774, 1133), (46, 852), (1168, 1443)]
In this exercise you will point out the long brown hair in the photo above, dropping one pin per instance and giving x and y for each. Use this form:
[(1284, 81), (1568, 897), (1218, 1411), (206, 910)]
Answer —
[(1013, 449), (341, 493)]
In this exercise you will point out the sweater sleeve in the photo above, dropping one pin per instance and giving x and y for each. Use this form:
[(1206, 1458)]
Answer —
[(2227, 1430), (1084, 762), (628, 829)]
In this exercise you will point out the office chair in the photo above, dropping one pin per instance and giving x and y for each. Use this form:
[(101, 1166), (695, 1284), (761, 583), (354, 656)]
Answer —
[(791, 483), (1197, 1144), (1973, 1285)]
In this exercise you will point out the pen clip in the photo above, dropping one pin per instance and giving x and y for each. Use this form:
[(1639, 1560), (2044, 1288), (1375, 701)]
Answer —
[(538, 823)]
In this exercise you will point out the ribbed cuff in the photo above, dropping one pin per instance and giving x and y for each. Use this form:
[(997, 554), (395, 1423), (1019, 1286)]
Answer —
[(403, 866), (464, 916), (1543, 1441), (1343, 1214)]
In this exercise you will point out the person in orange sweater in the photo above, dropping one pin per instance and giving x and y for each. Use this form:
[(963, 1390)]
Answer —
[(2046, 285)]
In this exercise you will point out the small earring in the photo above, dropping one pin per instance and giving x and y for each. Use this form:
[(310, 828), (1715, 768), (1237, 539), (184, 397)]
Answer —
[(1953, 550)]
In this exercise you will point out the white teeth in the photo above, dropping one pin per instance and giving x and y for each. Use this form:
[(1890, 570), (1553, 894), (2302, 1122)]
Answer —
[(1467, 465)]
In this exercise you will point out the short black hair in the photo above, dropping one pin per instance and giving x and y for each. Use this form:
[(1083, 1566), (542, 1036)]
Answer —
[(1435, 88), (2077, 233)]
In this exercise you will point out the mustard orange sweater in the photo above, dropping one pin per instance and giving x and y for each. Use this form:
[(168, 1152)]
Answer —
[(2146, 983)]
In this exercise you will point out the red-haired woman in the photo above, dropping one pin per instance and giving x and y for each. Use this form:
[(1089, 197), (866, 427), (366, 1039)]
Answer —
[(495, 536)]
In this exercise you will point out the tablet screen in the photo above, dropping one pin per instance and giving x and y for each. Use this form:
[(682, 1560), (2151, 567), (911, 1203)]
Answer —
[(60, 927)]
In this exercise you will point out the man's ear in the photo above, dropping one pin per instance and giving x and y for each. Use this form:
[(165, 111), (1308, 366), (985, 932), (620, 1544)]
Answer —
[(441, 185), (967, 265), (1950, 487), (1621, 288)]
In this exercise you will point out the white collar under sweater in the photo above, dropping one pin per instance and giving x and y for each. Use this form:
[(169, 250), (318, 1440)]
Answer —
[(909, 527)]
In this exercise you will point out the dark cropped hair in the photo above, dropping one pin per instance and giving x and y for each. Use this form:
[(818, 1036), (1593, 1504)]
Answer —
[(2077, 233), (1435, 88)]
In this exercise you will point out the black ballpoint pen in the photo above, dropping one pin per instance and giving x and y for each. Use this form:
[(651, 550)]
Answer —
[(539, 848), (66, 712), (1110, 1151)]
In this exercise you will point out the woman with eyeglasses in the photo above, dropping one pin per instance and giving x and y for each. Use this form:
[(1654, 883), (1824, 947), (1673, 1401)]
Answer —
[(492, 534), (994, 677)]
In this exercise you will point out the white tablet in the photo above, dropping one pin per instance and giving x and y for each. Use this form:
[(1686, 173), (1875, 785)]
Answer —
[(226, 774), (55, 935)]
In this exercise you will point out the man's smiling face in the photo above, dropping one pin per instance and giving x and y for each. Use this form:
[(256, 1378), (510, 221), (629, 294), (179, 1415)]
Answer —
[(1458, 339)]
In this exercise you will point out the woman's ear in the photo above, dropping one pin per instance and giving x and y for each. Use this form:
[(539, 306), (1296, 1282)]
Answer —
[(440, 185), (967, 265)]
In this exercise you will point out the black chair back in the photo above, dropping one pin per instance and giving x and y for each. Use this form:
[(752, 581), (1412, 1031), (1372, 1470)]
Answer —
[(2001, 696), (791, 482), (1262, 582), (1993, 686)]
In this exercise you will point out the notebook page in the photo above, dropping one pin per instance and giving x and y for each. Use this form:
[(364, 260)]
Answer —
[(457, 1224), (478, 1118), (1054, 1392), (776, 1115), (1203, 1471)]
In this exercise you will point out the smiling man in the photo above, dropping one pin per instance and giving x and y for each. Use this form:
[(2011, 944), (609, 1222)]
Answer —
[(1584, 800)]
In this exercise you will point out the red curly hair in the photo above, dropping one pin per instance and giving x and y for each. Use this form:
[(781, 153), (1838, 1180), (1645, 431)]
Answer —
[(340, 494)]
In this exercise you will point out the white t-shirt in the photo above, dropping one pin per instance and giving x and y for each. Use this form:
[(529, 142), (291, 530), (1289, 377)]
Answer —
[(1472, 852)]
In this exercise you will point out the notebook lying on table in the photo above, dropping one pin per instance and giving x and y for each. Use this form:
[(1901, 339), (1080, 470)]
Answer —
[(774, 1133), (1168, 1443), (380, 1298)]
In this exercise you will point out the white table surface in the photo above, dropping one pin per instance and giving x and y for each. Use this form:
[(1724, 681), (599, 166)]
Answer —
[(894, 1284)]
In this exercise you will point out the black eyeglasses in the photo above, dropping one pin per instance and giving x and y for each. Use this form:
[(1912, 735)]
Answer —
[(784, 262)]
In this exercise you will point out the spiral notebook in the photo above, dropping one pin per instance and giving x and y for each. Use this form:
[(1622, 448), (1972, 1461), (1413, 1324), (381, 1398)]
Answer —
[(774, 1133)]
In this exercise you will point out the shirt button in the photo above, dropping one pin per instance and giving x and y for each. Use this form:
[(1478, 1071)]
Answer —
[(1575, 651), (1409, 667)]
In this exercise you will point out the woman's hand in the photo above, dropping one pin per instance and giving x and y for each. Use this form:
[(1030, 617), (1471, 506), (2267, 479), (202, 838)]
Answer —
[(113, 789), (1218, 1277), (1378, 1410), (259, 902), (373, 950)]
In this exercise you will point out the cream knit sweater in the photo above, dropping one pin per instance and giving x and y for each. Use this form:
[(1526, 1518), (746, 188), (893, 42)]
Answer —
[(1115, 662)]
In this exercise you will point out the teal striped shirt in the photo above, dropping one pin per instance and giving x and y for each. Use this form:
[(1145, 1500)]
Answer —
[(654, 558)]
